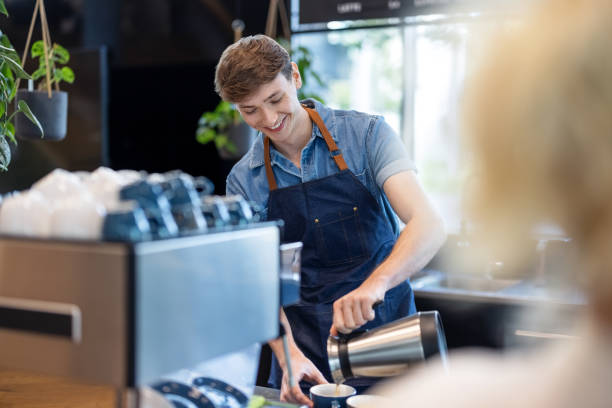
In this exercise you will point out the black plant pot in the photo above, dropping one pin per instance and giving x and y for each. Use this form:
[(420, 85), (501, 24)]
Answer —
[(52, 113), (242, 136)]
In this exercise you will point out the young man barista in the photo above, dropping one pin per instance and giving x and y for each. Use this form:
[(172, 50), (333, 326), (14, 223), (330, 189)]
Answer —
[(337, 179)]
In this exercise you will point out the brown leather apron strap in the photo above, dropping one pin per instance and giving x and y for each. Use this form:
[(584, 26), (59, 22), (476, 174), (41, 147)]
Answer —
[(269, 172), (331, 145)]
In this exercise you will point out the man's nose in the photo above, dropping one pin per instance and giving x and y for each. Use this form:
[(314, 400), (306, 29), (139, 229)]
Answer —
[(269, 118)]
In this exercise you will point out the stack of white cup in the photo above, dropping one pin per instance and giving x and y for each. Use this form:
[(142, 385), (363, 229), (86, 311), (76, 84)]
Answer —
[(64, 204)]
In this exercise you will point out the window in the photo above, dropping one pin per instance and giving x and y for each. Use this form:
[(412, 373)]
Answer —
[(412, 74), (361, 69)]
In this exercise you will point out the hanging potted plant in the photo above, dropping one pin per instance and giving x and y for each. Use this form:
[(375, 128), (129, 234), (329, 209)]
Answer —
[(47, 102), (10, 70)]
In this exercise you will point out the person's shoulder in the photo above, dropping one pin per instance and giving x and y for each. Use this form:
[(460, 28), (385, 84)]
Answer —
[(351, 114), (347, 123)]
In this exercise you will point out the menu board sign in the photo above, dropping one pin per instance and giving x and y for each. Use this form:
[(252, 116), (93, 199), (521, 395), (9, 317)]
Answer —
[(323, 11)]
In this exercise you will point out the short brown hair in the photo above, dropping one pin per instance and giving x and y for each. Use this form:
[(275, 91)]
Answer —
[(249, 63)]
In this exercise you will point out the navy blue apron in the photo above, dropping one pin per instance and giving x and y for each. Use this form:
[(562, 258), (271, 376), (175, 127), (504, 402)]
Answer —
[(345, 235)]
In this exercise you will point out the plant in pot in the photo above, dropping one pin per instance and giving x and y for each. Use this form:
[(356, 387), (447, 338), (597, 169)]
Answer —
[(10, 71), (49, 105), (224, 126)]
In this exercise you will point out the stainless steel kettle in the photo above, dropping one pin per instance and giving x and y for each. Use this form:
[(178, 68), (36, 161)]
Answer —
[(387, 350)]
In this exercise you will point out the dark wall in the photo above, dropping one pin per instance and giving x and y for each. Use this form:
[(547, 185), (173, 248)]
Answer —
[(161, 56), (153, 117)]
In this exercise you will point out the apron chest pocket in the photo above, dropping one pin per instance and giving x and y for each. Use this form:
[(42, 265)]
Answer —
[(339, 238)]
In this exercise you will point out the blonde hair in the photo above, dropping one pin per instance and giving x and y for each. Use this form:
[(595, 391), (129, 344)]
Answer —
[(249, 63), (539, 118)]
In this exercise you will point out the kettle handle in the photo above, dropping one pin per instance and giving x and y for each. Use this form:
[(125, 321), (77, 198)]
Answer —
[(346, 337)]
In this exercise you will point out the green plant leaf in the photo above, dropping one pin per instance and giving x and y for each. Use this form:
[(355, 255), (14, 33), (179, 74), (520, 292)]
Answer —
[(212, 125), (202, 121), (2, 109), (6, 69), (9, 130), (205, 135), (8, 82), (60, 54), (3, 8), (5, 41), (231, 147), (221, 141), (4, 50), (4, 85), (223, 107), (23, 107), (39, 73), (67, 74), (5, 153), (16, 68), (38, 49)]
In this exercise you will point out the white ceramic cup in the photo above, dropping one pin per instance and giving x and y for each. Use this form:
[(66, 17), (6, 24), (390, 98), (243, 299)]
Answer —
[(27, 213), (104, 184), (130, 176), (58, 184), (78, 216), (367, 401)]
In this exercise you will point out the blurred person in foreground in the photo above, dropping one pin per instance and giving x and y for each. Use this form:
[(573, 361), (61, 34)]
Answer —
[(539, 121)]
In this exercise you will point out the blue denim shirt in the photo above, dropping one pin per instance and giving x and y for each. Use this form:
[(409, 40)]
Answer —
[(371, 149)]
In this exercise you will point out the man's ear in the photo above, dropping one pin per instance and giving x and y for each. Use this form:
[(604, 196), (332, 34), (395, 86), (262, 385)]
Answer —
[(295, 75)]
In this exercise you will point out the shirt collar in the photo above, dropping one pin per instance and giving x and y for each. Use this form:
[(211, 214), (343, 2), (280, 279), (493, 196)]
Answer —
[(327, 115)]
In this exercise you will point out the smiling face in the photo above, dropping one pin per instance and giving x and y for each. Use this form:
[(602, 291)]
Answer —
[(275, 110)]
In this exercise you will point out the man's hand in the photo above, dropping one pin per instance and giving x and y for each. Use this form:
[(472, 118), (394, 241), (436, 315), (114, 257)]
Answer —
[(354, 309), (302, 369)]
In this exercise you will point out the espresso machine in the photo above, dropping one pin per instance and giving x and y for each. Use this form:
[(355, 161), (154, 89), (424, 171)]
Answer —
[(129, 314)]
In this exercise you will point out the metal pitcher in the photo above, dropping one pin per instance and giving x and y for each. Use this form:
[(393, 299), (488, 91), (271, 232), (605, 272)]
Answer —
[(387, 350)]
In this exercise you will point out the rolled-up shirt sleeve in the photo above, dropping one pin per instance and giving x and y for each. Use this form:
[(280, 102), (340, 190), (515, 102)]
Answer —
[(386, 152)]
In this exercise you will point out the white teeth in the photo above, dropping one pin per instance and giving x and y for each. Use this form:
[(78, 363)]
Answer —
[(277, 126)]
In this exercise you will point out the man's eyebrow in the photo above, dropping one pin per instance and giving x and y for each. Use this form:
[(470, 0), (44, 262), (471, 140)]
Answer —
[(266, 100)]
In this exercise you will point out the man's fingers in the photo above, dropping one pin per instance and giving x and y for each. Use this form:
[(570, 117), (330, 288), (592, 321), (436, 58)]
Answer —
[(316, 377), (295, 395), (358, 317), (367, 311), (338, 319), (299, 397), (347, 311)]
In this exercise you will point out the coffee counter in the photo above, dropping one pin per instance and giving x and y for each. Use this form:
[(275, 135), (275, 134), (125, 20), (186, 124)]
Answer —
[(493, 313)]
